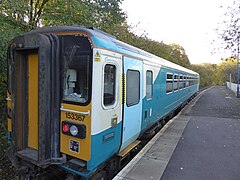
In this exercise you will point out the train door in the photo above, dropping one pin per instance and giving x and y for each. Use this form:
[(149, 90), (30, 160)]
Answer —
[(132, 109)]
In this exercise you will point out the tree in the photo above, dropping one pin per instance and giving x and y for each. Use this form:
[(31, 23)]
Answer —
[(229, 30), (225, 68), (107, 13), (207, 74), (102, 14), (59, 12), (8, 29), (26, 12), (179, 56)]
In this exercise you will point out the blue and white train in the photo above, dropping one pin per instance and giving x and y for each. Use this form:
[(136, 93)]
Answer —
[(80, 100)]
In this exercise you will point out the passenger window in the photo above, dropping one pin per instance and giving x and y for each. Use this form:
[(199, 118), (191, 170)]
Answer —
[(184, 81), (169, 83), (175, 85), (187, 81), (149, 84), (190, 81), (109, 85), (133, 87), (180, 82)]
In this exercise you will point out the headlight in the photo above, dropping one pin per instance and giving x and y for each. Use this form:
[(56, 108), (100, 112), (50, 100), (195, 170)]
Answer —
[(73, 130), (65, 128)]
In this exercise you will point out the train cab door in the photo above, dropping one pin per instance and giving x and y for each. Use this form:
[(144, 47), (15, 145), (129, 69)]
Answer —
[(132, 108)]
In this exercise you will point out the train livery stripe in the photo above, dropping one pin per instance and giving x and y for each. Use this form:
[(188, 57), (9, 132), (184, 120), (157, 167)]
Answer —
[(33, 101), (183, 98), (176, 101), (9, 125)]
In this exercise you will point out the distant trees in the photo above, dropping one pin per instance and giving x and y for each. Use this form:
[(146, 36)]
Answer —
[(227, 70), (229, 34), (173, 52), (207, 74), (217, 74), (178, 54)]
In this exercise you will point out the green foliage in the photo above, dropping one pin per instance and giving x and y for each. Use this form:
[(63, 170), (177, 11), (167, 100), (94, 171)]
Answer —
[(179, 56), (59, 12), (174, 52), (206, 72), (107, 13), (3, 90), (212, 74), (8, 29), (227, 69), (100, 14), (25, 12)]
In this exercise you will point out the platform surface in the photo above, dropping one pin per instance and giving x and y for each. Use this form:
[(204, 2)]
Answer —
[(201, 143)]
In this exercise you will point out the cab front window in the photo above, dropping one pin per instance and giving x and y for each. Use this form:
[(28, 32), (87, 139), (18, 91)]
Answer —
[(76, 80), (76, 69)]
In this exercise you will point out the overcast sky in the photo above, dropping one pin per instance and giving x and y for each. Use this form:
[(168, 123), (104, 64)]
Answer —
[(190, 23)]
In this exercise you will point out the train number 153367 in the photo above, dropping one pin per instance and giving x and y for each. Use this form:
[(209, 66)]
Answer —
[(74, 116)]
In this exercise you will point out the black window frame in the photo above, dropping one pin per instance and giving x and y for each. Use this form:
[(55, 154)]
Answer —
[(86, 51), (187, 81), (149, 71), (184, 81), (180, 86), (169, 79), (127, 82), (114, 85), (175, 80)]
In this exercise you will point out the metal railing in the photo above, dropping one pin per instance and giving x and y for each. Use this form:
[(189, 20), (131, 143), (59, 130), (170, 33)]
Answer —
[(232, 87)]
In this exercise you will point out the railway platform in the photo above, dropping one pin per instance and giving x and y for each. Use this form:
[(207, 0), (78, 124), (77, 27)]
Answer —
[(202, 143)]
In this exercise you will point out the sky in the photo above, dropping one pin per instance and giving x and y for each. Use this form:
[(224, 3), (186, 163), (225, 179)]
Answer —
[(189, 23)]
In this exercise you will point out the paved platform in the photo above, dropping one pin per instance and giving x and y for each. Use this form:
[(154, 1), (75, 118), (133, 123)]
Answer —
[(201, 143)]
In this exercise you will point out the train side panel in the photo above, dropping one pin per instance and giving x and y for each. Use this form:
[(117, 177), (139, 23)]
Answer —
[(172, 100), (161, 102), (106, 107)]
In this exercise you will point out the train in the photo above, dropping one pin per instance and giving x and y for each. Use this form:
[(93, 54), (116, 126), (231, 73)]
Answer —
[(80, 101)]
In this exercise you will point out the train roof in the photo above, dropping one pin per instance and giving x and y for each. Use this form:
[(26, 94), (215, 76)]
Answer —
[(104, 40)]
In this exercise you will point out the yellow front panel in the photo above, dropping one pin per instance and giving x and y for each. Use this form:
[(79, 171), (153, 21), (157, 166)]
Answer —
[(33, 101), (84, 144), (9, 106), (9, 125)]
